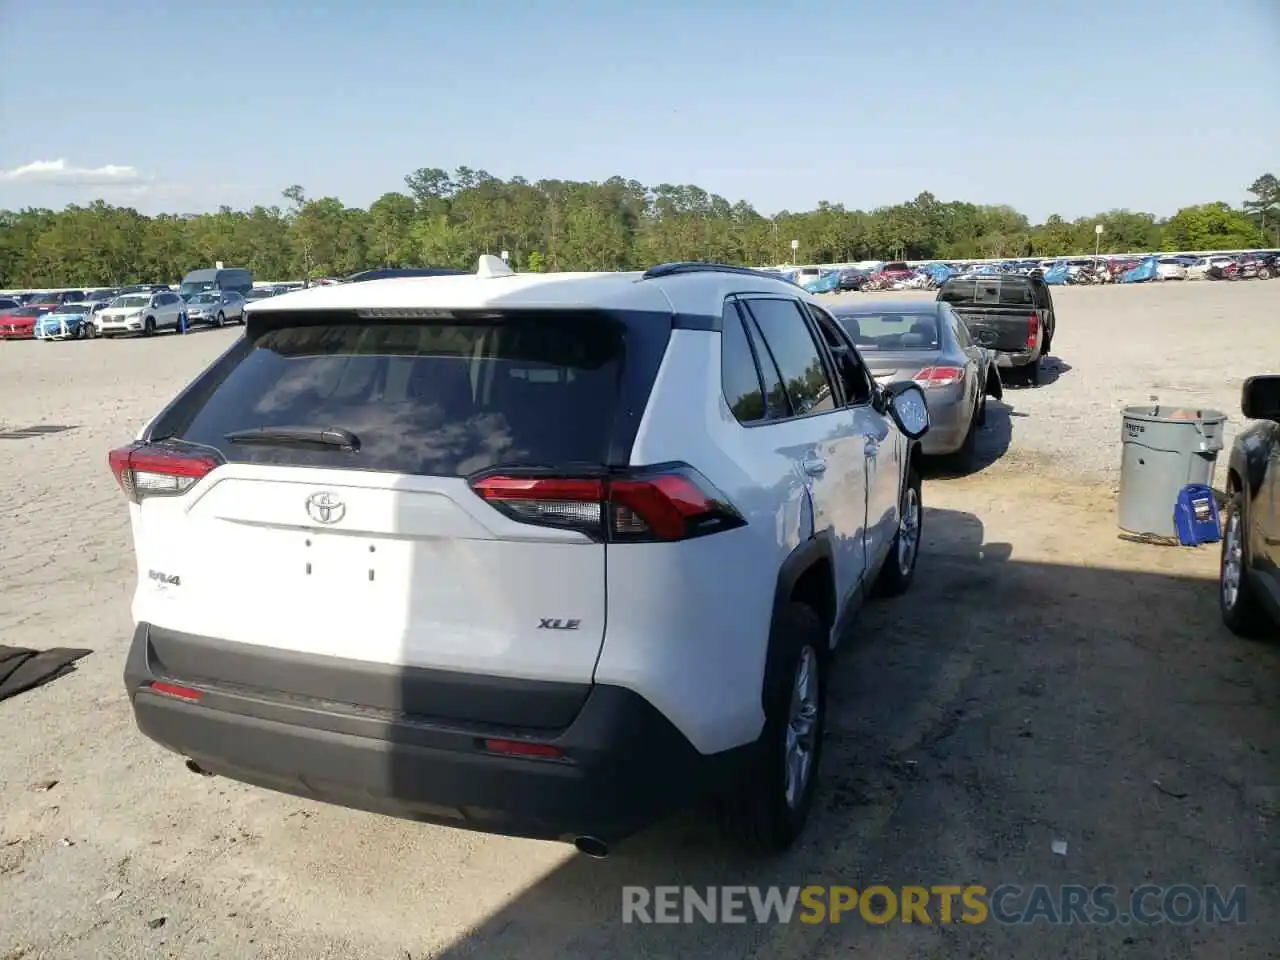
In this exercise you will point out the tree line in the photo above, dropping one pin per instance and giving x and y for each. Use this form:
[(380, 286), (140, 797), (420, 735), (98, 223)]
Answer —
[(444, 219)]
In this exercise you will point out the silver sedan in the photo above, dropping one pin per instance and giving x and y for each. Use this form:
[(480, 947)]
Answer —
[(216, 307), (926, 342)]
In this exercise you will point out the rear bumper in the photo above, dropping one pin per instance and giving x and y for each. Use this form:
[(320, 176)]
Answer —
[(625, 765), (1015, 358)]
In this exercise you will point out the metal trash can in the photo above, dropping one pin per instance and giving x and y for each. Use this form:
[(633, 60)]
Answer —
[(1165, 447)]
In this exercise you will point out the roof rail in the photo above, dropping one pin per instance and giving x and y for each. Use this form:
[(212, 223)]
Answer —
[(697, 266)]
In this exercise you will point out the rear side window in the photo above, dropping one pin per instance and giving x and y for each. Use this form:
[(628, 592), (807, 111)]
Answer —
[(789, 342), (738, 374), (427, 398)]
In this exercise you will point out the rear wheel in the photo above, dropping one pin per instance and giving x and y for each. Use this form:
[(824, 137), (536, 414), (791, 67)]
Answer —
[(1032, 372), (1241, 609), (769, 810)]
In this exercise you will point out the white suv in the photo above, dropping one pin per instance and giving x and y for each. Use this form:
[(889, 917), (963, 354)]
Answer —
[(550, 555)]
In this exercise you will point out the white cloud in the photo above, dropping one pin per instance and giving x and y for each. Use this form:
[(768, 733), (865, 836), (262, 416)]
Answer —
[(60, 172)]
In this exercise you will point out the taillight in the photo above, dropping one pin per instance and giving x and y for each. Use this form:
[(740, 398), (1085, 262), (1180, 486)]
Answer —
[(1033, 331), (671, 502), (939, 376), (524, 748), (153, 470), (176, 691)]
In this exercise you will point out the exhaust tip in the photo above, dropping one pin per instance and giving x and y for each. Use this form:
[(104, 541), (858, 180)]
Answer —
[(196, 768), (594, 848)]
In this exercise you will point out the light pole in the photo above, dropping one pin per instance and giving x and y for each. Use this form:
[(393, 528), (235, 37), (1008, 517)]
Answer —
[(1097, 239), (795, 245)]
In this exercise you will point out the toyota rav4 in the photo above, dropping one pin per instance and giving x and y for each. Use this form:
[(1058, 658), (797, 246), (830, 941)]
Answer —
[(550, 555)]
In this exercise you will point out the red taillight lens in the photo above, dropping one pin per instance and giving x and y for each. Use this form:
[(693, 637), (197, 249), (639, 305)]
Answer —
[(522, 748), (662, 504), (175, 691), (939, 376), (152, 470), (1033, 331)]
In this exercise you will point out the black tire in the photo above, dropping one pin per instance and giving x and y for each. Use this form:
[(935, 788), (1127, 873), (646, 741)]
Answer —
[(1032, 372), (1242, 610), (758, 813), (149, 327), (963, 458), (221, 321), (897, 573)]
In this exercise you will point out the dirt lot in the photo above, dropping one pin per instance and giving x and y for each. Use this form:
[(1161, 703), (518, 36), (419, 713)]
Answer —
[(1044, 681)]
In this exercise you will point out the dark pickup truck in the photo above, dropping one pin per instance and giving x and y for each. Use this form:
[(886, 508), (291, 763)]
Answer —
[(1009, 314)]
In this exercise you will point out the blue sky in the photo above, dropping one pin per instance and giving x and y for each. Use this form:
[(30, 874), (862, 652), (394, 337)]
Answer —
[(1068, 107)]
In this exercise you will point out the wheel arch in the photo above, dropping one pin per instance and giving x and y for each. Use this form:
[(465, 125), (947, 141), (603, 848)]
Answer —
[(807, 576)]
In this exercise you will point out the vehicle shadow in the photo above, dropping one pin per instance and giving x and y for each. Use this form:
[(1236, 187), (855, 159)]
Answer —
[(1003, 704), (1052, 368), (994, 440)]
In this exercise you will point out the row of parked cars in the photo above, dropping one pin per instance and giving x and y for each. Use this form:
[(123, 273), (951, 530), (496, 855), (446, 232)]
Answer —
[(144, 309)]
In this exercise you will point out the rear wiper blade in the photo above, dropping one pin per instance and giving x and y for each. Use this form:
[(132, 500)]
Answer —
[(283, 436)]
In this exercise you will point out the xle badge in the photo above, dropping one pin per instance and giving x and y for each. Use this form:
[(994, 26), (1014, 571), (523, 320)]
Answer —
[(552, 624)]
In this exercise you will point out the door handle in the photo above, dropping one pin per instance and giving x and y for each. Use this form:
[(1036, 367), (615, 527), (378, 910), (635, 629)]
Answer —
[(872, 447), (814, 467)]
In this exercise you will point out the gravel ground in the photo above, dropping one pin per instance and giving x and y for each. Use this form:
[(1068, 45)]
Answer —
[(1044, 681)]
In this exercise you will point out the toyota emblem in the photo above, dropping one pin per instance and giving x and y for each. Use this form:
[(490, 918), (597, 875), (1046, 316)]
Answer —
[(324, 507)]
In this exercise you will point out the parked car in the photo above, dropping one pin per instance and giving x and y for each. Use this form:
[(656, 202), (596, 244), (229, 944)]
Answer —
[(1249, 592), (20, 324), (144, 313), (893, 271), (851, 278), (260, 293), (1012, 316), (9, 303), (929, 344), (55, 298), (216, 307), (1200, 269), (372, 581), (69, 321), (1171, 268)]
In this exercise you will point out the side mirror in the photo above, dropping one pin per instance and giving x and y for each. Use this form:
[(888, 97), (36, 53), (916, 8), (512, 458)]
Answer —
[(908, 407), (1260, 398)]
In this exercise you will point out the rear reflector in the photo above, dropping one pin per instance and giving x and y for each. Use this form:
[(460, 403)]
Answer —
[(522, 748), (175, 691), (154, 470), (939, 376), (667, 503)]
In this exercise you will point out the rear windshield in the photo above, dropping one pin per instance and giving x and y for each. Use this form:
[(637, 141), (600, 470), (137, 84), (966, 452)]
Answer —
[(907, 330), (429, 398), (994, 291)]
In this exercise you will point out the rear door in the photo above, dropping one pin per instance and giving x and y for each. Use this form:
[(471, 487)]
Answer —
[(821, 436), (381, 551)]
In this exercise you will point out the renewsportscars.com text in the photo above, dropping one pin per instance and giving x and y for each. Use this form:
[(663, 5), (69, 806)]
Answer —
[(938, 904)]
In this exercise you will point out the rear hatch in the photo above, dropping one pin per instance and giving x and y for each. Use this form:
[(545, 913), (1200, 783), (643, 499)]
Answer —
[(338, 518), (999, 311)]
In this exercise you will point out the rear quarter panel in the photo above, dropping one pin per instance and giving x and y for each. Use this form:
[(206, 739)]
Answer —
[(688, 623)]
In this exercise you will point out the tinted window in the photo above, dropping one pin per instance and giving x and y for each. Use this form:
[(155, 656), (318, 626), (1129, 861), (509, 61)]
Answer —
[(994, 291), (788, 339), (443, 399), (958, 329), (738, 374), (897, 330), (857, 381)]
